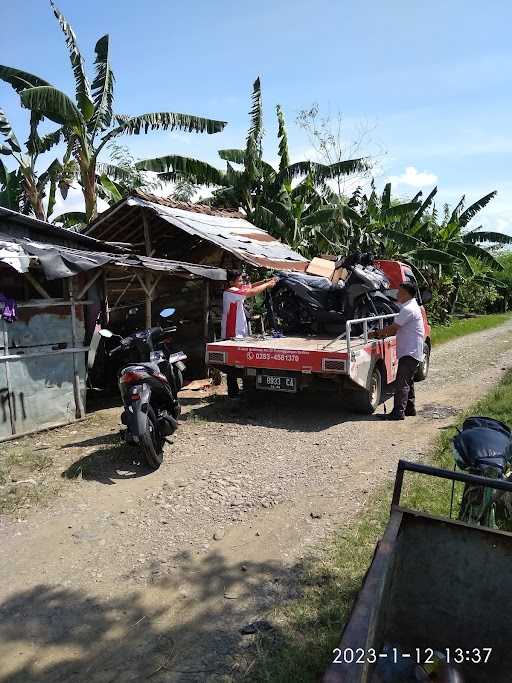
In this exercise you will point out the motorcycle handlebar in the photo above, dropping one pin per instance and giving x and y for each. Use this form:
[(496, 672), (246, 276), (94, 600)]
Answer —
[(117, 348)]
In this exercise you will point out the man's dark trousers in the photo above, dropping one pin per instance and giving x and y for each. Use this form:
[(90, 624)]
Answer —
[(404, 385), (232, 377)]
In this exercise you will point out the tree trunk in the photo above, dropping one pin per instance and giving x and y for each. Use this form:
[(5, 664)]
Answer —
[(34, 197), (88, 182)]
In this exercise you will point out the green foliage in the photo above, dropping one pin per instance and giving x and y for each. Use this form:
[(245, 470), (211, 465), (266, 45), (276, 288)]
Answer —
[(88, 123), (326, 583)]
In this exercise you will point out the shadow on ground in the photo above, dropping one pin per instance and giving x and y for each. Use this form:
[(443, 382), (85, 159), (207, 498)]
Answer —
[(308, 412), (116, 461), (188, 630)]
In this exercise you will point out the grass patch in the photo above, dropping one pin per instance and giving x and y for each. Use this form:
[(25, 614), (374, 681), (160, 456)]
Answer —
[(309, 627), (23, 477), (459, 328)]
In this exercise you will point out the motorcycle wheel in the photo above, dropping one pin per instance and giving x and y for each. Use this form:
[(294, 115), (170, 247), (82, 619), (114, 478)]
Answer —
[(363, 309), (287, 311), (151, 442)]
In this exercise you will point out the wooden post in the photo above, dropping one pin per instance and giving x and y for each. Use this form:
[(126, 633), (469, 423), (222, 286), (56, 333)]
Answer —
[(206, 309), (8, 379), (147, 277), (79, 406), (149, 298)]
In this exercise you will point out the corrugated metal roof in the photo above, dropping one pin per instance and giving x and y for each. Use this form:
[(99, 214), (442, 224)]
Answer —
[(17, 225), (61, 262), (226, 229)]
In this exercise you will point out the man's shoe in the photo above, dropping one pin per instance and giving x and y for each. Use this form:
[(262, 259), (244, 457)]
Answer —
[(391, 417), (410, 412)]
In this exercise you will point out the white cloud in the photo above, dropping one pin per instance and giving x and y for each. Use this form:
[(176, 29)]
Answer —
[(413, 178), (74, 202)]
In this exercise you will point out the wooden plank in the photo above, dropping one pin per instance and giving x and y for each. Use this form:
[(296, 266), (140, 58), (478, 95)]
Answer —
[(148, 278), (79, 406), (38, 287), (37, 303), (8, 380), (89, 284), (147, 234), (206, 310)]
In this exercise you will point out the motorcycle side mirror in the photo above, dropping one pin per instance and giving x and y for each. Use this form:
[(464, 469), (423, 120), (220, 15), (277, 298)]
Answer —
[(106, 333), (167, 312), (426, 296)]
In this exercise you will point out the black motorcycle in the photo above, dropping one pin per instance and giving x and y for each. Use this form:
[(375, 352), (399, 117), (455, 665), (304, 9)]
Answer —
[(483, 447), (149, 386), (304, 303)]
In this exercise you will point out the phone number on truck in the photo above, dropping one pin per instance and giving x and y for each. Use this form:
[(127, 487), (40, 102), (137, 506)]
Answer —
[(260, 355)]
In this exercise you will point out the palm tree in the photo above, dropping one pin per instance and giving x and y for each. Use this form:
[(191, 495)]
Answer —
[(88, 124)]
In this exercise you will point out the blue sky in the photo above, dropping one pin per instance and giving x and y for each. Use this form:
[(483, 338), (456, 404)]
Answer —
[(431, 79)]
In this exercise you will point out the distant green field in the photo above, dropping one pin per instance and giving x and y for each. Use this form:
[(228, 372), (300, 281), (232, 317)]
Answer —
[(459, 328)]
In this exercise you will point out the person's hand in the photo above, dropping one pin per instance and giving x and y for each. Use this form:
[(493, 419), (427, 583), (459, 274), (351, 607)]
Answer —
[(273, 282)]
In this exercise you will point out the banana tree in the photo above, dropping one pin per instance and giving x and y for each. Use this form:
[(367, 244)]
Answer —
[(29, 185), (88, 124), (252, 184)]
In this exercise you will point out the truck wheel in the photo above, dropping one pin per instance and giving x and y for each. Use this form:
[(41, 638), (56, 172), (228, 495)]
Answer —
[(422, 371), (366, 401)]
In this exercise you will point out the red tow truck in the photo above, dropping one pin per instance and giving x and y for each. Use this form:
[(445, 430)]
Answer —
[(356, 367)]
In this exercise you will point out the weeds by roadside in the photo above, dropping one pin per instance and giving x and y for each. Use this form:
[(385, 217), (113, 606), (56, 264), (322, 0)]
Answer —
[(309, 627), (22, 471), (459, 328)]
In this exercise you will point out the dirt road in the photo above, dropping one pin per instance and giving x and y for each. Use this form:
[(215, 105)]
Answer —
[(130, 576)]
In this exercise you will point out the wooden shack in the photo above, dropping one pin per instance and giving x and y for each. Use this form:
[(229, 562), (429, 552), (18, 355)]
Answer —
[(167, 229), (56, 282)]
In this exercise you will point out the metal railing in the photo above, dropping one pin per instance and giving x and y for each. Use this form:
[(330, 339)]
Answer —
[(404, 466), (358, 321)]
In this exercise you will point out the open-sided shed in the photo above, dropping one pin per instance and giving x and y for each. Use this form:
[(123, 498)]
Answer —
[(56, 281), (164, 228), (192, 232)]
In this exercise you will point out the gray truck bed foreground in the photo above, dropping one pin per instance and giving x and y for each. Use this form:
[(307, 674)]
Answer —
[(434, 584)]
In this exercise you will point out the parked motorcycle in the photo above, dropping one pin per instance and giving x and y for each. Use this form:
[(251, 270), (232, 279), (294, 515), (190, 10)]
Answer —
[(149, 387), (483, 447), (310, 304)]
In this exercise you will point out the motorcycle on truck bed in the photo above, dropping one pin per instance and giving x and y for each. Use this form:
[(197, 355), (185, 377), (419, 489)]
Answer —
[(352, 364)]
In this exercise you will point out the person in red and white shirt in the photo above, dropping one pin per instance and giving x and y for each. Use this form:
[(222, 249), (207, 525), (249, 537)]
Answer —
[(234, 319)]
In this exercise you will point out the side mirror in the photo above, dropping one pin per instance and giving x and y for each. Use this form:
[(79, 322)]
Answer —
[(426, 296), (106, 333), (167, 312)]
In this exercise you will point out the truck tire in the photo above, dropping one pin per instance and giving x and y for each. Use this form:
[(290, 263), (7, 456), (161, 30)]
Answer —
[(423, 368), (366, 401)]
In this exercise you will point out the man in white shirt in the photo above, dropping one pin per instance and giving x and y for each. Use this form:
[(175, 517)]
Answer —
[(409, 329), (234, 320)]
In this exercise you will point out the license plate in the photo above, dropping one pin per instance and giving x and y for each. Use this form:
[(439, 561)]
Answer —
[(276, 383)]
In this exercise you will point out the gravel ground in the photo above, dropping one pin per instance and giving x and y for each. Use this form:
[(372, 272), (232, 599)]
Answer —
[(127, 575)]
